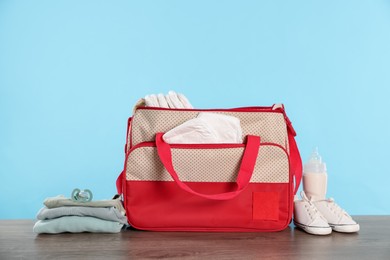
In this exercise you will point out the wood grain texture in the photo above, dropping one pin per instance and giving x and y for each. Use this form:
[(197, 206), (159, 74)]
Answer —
[(17, 241)]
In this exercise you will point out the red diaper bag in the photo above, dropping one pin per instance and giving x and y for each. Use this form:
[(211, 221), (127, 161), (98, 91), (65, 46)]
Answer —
[(210, 187)]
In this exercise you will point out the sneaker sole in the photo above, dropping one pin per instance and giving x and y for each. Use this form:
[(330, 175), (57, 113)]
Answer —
[(322, 231), (345, 228)]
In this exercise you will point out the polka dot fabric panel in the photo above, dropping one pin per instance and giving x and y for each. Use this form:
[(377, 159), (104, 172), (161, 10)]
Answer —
[(207, 165), (270, 125)]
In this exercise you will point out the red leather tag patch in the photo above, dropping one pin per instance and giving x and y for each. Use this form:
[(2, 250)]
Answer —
[(266, 205)]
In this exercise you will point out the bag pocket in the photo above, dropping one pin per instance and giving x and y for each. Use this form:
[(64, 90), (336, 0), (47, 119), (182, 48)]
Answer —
[(206, 163)]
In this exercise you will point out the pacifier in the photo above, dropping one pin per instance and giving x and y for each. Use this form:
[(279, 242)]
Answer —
[(81, 195)]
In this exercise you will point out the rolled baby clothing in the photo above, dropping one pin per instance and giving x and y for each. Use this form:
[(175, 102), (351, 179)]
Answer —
[(61, 201), (76, 224), (173, 100), (162, 102), (183, 99), (170, 100), (111, 213), (151, 101), (207, 127)]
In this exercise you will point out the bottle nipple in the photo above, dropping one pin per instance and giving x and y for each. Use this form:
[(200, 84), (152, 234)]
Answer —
[(315, 163), (315, 156)]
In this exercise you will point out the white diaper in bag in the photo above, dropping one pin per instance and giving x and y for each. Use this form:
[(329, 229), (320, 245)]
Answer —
[(206, 128)]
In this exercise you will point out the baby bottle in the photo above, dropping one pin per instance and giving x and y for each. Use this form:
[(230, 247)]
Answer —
[(315, 177)]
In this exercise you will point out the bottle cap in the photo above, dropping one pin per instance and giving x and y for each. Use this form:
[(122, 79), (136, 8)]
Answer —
[(315, 164)]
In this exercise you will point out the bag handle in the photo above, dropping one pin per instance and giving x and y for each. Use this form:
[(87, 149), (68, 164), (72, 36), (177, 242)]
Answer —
[(247, 167), (295, 161)]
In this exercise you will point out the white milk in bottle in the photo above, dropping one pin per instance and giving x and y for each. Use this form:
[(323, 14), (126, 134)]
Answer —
[(315, 177)]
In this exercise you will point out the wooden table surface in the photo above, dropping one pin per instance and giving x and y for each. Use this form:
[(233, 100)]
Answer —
[(17, 241)]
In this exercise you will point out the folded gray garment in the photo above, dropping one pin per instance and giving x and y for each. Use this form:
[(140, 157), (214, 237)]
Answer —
[(75, 224), (61, 201), (112, 214)]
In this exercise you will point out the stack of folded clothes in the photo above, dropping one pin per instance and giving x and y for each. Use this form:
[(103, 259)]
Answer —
[(62, 214)]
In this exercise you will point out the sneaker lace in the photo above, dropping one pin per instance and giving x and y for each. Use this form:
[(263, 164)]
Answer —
[(336, 208), (312, 209)]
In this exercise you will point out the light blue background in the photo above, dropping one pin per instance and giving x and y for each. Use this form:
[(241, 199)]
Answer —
[(71, 71)]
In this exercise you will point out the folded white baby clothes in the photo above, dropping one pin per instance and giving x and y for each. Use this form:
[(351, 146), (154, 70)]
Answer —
[(171, 100), (206, 128)]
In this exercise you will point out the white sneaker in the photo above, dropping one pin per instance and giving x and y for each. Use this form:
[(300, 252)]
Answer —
[(308, 218), (337, 218)]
